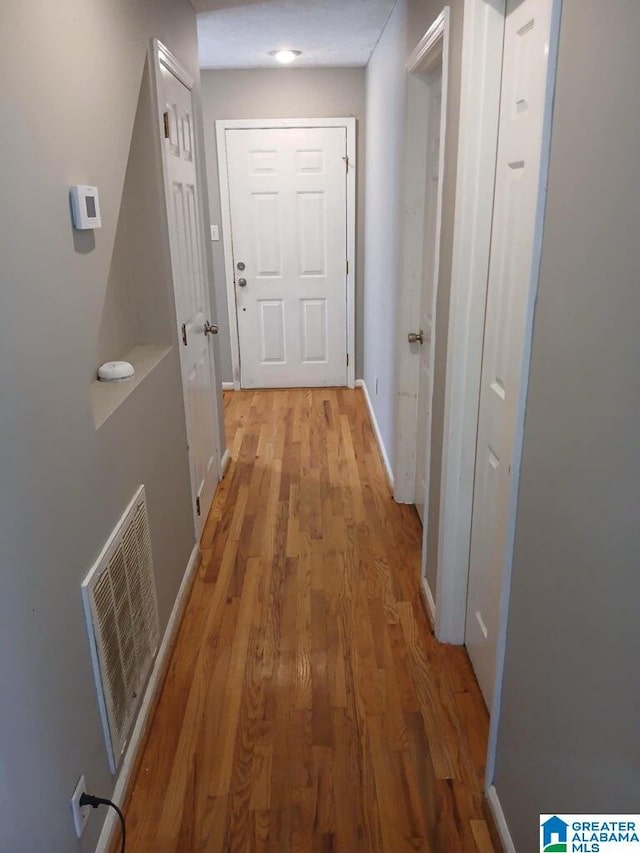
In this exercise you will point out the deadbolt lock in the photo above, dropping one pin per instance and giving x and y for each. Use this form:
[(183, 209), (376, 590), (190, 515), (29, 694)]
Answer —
[(240, 265)]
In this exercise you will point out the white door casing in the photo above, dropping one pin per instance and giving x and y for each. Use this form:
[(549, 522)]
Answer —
[(512, 276), (483, 37), (190, 283), (426, 349), (428, 63), (287, 190)]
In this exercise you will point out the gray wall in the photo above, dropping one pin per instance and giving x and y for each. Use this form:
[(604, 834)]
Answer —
[(70, 116), (281, 93), (386, 80), (383, 192), (569, 738)]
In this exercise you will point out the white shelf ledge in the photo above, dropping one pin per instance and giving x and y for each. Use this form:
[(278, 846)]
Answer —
[(106, 397)]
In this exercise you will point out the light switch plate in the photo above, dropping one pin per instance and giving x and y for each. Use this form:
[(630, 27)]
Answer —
[(215, 232)]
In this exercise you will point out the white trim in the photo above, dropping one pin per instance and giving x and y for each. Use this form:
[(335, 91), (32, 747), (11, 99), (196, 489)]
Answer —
[(222, 125), (360, 383), (352, 164), (483, 37), (431, 46), (161, 56), (229, 386), (226, 461), (145, 714), (433, 50), (500, 820), (545, 153), (164, 55), (427, 597)]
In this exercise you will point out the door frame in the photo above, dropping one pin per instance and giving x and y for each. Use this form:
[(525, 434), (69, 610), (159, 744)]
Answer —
[(222, 125), (483, 37), (432, 51), (159, 54)]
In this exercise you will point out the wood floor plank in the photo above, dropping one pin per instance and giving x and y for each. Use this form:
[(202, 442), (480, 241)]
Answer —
[(307, 705)]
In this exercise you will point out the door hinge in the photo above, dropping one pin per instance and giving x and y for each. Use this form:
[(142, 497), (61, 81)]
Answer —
[(198, 505), (165, 121), (347, 359), (346, 163), (184, 334), (347, 267)]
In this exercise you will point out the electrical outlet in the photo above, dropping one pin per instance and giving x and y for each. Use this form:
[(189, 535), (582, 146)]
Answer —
[(80, 814), (215, 233)]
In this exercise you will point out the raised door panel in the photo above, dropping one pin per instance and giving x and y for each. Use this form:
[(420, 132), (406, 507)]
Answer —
[(271, 315), (313, 315), (310, 233), (267, 229)]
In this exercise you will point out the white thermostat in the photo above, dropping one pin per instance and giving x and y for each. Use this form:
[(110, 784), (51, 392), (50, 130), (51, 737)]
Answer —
[(85, 207)]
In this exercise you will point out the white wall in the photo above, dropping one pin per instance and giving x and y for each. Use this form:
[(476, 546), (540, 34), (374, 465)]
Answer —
[(281, 93)]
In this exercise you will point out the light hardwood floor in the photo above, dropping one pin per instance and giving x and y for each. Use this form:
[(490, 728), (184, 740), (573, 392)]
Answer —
[(307, 705)]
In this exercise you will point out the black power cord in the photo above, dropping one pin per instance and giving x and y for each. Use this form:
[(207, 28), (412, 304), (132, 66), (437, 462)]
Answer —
[(94, 802)]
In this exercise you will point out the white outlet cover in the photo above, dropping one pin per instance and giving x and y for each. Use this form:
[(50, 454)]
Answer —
[(80, 815)]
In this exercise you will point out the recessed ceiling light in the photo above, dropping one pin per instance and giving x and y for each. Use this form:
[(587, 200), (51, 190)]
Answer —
[(285, 56)]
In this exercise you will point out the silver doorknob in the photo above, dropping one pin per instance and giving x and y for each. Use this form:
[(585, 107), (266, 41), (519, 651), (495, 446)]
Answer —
[(415, 337), (210, 328), (242, 282)]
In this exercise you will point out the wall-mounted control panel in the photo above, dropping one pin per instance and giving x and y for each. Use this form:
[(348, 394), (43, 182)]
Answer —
[(85, 207)]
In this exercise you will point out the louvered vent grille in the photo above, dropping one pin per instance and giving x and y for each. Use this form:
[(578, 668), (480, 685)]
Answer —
[(122, 615)]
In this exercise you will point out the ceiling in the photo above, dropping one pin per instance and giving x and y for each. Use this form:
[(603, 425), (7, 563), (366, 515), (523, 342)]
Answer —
[(240, 33)]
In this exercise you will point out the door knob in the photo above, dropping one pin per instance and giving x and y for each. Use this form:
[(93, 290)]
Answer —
[(242, 282), (415, 337), (210, 328)]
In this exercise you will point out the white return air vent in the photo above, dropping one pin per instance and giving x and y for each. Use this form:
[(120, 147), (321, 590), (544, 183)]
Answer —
[(122, 618)]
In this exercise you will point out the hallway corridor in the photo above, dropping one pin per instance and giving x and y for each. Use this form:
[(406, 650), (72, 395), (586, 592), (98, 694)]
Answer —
[(307, 705)]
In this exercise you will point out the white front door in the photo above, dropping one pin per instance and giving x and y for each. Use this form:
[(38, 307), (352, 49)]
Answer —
[(191, 291), (287, 189), (526, 45), (428, 299)]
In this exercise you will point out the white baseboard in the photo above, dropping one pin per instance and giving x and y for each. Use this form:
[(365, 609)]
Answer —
[(228, 386), (500, 820), (429, 602), (154, 684), (224, 464), (360, 383)]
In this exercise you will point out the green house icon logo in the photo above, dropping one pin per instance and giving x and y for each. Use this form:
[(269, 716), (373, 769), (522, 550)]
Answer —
[(554, 835)]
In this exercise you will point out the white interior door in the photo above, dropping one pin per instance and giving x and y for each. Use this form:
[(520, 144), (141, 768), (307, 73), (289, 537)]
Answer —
[(527, 33), (191, 291), (426, 342), (287, 189)]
